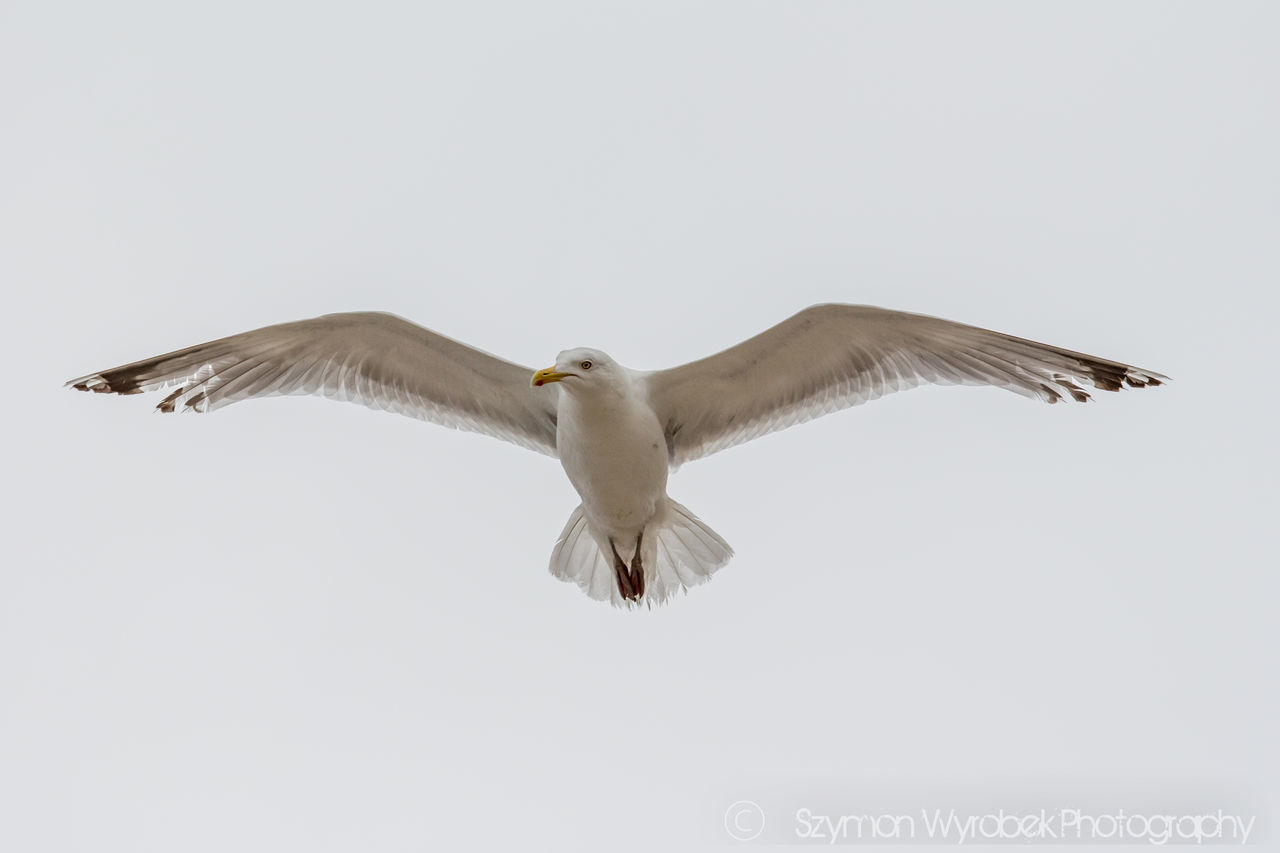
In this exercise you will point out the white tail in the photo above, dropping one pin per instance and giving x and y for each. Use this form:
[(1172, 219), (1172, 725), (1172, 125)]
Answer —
[(678, 551)]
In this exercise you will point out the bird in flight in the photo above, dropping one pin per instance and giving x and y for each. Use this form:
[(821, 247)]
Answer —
[(619, 432)]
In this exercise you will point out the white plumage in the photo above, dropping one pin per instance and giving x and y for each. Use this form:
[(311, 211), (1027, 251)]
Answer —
[(617, 431)]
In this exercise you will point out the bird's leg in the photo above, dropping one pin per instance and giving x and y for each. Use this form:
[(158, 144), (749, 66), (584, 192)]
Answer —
[(637, 569), (623, 575)]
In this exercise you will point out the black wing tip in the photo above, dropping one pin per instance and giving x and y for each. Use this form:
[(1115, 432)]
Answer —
[(1143, 378), (107, 383), (1117, 377), (100, 383), (1105, 377)]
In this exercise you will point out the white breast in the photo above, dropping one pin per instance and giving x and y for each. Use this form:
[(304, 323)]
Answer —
[(615, 453)]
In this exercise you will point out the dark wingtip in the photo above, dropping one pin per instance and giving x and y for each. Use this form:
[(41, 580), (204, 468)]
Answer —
[(1142, 380), (107, 384), (1115, 377), (104, 383), (95, 383)]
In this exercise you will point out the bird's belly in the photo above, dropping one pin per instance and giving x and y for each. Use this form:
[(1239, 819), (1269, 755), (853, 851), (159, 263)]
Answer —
[(619, 468)]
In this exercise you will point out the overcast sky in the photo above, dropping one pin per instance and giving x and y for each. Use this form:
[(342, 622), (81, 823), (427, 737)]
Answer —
[(300, 625)]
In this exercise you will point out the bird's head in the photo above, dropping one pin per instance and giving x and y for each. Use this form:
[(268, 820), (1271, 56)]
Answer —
[(579, 370)]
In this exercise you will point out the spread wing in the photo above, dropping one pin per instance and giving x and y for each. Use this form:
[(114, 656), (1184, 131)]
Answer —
[(378, 360), (831, 357)]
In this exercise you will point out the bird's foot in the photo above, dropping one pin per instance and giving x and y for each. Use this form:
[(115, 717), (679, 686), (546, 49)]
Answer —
[(637, 569), (630, 579)]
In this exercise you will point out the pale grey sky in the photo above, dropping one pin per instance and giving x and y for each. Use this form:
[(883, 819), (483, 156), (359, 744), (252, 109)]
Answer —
[(295, 624)]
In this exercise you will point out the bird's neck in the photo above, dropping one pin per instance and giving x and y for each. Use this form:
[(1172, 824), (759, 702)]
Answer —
[(617, 400)]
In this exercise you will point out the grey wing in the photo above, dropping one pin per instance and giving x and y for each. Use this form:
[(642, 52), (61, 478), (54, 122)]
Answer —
[(379, 360), (831, 357)]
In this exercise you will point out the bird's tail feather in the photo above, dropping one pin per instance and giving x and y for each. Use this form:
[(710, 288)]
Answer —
[(678, 551)]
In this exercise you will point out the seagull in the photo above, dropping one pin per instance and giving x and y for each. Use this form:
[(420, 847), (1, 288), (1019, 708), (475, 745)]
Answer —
[(618, 432)]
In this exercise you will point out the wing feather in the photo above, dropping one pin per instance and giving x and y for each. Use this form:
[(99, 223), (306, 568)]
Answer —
[(379, 360), (831, 357)]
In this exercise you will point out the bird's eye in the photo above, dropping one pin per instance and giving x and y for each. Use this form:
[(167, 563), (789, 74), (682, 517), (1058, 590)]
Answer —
[(586, 365)]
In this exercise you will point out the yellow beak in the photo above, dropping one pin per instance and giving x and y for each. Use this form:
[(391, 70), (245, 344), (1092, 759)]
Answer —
[(547, 374)]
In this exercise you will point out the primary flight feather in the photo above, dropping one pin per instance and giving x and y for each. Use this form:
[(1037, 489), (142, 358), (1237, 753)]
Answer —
[(618, 432)]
